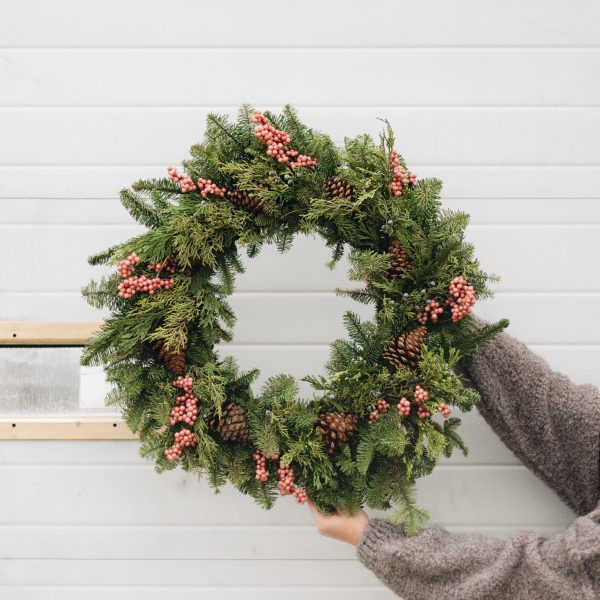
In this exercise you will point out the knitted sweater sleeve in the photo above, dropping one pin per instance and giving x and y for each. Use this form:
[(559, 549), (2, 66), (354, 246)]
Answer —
[(553, 426)]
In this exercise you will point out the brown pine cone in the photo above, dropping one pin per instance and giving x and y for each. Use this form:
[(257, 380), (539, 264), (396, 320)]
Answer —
[(337, 428), (244, 200), (399, 261), (405, 350), (174, 360), (232, 426), (335, 187)]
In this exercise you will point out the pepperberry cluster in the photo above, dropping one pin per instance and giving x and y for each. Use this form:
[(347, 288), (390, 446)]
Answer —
[(185, 181), (403, 407), (169, 264), (186, 410), (260, 458), (208, 188), (401, 177), (421, 395), (286, 485), (277, 142), (461, 298), (431, 312), (183, 439), (444, 410), (132, 284), (381, 407)]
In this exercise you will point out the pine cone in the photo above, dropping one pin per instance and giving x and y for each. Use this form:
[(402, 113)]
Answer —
[(337, 428), (232, 426), (244, 200), (405, 350), (399, 261), (174, 360), (335, 187)]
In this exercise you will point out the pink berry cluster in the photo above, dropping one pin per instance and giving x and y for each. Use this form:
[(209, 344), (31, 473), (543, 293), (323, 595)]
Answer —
[(431, 312), (185, 383), (287, 487), (423, 413), (444, 410), (127, 265), (183, 439), (381, 407), (403, 407), (132, 285), (185, 181), (422, 395), (260, 458), (186, 410), (401, 176), (461, 298), (277, 142), (208, 188), (168, 264)]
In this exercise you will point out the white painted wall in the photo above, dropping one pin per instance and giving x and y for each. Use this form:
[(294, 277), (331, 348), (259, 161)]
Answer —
[(499, 98)]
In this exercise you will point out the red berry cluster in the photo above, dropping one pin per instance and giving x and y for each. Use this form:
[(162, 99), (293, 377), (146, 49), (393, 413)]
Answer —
[(431, 312), (287, 487), (444, 410), (421, 395), (183, 439), (185, 383), (168, 264), (423, 413), (277, 142), (403, 407), (260, 458), (186, 410), (461, 298), (381, 407), (208, 188), (127, 265), (185, 181), (132, 285), (402, 177)]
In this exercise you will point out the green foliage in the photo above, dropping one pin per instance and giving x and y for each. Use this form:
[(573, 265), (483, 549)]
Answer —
[(380, 463)]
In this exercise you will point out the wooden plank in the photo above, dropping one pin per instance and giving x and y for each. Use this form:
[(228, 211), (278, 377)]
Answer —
[(187, 542), (438, 77), (201, 573), (455, 496), (473, 181), (488, 211), (35, 333), (426, 136), (408, 23), (64, 428)]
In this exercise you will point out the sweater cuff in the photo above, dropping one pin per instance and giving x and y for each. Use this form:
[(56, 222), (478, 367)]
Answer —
[(376, 535)]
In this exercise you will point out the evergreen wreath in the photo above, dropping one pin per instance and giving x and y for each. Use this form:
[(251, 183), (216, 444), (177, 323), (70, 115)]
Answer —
[(370, 429)]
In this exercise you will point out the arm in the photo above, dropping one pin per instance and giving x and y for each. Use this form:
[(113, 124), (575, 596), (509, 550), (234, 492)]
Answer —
[(551, 424)]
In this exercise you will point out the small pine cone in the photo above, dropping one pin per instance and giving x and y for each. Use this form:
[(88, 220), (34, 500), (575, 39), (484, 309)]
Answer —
[(399, 261), (243, 199), (335, 187), (337, 428), (232, 426), (405, 350), (174, 360)]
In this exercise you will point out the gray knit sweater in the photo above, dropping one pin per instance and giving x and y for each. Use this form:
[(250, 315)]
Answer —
[(553, 427)]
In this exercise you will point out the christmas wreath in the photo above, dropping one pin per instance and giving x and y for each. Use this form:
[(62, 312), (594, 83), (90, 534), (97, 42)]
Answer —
[(380, 417)]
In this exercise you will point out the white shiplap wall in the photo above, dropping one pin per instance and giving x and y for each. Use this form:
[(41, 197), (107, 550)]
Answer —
[(501, 99)]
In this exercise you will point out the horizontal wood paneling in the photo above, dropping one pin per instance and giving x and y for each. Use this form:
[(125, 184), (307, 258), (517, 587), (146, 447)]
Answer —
[(472, 181), (531, 256), (348, 24), (435, 77), (483, 211), (134, 136)]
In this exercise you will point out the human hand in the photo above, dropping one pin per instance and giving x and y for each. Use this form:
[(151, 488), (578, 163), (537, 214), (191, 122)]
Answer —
[(339, 526)]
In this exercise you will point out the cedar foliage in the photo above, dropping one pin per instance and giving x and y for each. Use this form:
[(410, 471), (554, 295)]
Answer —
[(379, 464)]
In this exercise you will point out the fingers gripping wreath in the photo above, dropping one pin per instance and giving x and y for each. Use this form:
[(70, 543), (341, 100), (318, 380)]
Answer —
[(380, 416)]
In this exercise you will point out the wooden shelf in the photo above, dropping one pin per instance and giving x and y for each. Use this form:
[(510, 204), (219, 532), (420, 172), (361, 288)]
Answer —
[(33, 333), (64, 428)]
